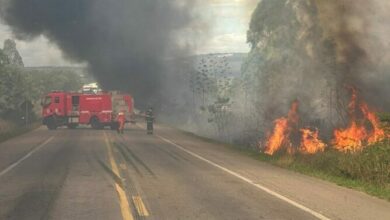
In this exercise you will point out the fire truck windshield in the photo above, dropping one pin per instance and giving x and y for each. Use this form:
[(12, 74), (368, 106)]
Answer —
[(46, 101)]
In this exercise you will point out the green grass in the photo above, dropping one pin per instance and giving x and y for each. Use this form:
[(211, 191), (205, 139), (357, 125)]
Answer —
[(384, 116), (17, 131)]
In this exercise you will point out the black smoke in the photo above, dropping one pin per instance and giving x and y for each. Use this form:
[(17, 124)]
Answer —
[(125, 42), (360, 33)]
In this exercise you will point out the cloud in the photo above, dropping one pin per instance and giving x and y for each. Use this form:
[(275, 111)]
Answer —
[(225, 43), (38, 52), (41, 52), (230, 20)]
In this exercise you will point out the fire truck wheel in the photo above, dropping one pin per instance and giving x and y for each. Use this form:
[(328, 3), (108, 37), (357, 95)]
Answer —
[(72, 126), (51, 125), (95, 123), (114, 126)]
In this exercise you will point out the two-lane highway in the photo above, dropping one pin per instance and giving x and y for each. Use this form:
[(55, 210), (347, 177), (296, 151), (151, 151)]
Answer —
[(99, 174)]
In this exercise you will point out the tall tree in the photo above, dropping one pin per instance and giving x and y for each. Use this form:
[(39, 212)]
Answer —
[(12, 53), (288, 51)]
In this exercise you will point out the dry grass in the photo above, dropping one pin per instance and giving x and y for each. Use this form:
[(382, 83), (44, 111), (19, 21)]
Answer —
[(9, 130)]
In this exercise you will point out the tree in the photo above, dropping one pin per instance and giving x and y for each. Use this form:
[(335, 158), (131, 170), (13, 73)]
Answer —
[(289, 59), (42, 82), (21, 89), (13, 92), (12, 53)]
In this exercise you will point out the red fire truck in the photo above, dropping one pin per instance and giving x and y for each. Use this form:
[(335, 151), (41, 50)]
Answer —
[(97, 109)]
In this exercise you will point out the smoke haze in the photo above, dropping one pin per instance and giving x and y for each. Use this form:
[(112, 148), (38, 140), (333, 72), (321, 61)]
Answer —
[(361, 34), (125, 42)]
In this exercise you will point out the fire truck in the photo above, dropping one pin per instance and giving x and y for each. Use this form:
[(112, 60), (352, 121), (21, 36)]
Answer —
[(98, 110)]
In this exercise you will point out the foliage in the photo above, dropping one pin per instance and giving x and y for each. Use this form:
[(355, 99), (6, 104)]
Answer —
[(13, 91), (21, 88), (220, 113), (288, 51), (384, 116), (14, 131), (371, 165), (12, 53), (212, 84), (43, 82), (3, 59)]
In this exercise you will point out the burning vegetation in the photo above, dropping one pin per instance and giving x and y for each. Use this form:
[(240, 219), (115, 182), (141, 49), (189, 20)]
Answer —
[(280, 136), (363, 129), (310, 143)]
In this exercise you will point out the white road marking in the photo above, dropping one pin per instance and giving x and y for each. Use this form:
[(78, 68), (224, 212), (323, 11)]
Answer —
[(265, 189), (12, 166)]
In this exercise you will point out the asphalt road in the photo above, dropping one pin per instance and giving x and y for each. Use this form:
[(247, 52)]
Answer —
[(89, 174)]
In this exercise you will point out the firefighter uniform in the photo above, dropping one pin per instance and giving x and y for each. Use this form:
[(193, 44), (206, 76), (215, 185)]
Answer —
[(149, 121), (121, 122)]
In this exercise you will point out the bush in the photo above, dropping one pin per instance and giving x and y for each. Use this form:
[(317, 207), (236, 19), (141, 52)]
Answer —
[(9, 129), (326, 162), (372, 165), (384, 116)]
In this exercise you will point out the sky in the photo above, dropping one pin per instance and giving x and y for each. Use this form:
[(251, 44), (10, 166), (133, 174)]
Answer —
[(227, 22)]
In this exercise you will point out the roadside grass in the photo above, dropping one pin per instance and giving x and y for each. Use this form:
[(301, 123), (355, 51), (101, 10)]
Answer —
[(384, 116), (14, 131), (367, 171)]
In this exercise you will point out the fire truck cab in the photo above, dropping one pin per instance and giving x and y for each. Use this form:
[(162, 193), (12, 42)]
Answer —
[(73, 109)]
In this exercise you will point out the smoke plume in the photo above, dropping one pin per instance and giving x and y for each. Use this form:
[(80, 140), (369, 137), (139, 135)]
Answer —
[(360, 32), (314, 52), (125, 42)]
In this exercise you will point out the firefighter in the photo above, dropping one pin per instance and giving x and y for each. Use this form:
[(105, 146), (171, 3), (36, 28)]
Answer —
[(149, 121), (121, 122)]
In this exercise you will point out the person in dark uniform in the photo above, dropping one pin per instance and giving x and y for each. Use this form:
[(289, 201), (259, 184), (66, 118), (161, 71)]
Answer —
[(149, 121)]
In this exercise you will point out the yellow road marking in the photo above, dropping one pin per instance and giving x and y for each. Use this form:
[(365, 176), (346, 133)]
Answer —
[(124, 203), (140, 206)]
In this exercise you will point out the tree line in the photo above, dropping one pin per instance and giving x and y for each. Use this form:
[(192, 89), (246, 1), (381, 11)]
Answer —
[(22, 88)]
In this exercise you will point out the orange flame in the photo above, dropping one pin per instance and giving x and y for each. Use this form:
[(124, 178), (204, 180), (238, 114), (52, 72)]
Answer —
[(278, 137), (282, 130), (377, 134), (310, 142), (356, 135), (351, 138), (364, 128)]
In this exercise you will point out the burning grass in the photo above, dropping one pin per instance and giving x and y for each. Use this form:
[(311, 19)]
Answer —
[(310, 142), (364, 129), (281, 133), (358, 134), (358, 155)]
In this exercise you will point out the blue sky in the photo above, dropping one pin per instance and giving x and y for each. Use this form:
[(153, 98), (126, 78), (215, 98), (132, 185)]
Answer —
[(227, 22)]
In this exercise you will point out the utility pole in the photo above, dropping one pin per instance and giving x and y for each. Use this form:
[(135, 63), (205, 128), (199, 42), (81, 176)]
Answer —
[(26, 112)]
